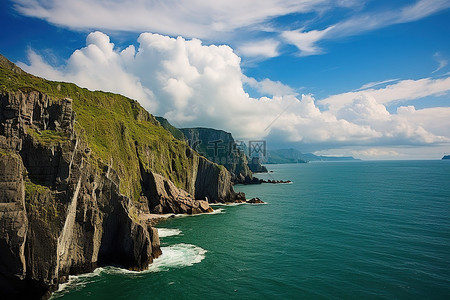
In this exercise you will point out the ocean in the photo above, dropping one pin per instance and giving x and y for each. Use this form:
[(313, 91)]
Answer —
[(340, 230)]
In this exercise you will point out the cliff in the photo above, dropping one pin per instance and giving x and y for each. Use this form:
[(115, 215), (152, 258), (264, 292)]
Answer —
[(219, 146), (79, 171)]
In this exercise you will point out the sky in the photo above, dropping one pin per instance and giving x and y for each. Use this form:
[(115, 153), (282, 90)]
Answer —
[(366, 78)]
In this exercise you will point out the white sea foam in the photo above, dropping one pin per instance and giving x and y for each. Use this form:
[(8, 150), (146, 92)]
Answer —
[(173, 257), (76, 282), (227, 204), (235, 204), (177, 256), (165, 232), (216, 211)]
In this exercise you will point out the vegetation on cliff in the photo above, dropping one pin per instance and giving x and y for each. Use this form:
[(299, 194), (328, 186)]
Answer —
[(172, 129)]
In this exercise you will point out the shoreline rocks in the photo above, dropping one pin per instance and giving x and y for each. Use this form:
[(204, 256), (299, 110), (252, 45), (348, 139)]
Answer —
[(255, 200), (259, 181)]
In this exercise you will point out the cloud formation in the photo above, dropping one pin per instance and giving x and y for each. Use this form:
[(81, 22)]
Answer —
[(252, 21), (264, 48), (307, 41), (401, 91), (193, 84), (441, 61), (191, 18)]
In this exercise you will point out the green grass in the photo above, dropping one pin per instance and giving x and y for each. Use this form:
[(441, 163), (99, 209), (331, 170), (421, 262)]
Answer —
[(172, 129), (49, 137), (31, 189), (40, 201)]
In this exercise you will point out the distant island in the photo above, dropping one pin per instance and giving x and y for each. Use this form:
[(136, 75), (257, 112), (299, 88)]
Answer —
[(446, 157)]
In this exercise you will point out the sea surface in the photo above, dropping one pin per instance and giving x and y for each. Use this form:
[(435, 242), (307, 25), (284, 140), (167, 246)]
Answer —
[(341, 230)]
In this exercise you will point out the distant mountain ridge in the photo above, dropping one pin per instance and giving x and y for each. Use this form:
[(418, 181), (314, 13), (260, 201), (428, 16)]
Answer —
[(289, 156)]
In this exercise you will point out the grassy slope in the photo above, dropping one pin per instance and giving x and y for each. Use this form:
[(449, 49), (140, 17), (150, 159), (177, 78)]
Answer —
[(111, 125), (172, 129)]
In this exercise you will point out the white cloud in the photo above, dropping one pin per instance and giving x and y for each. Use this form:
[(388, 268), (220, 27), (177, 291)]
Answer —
[(193, 84), (97, 66), (401, 91), (442, 63), (374, 153), (270, 87), (226, 20), (307, 41), (375, 84), (263, 48), (190, 18), (389, 153)]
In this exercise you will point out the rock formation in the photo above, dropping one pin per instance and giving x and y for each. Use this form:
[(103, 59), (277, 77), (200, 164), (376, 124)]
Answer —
[(77, 178), (256, 167), (255, 200), (164, 197), (219, 146)]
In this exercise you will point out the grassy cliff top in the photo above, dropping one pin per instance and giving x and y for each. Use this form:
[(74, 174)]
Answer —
[(117, 129)]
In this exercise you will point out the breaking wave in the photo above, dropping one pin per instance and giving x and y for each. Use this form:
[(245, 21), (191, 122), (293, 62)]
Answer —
[(173, 257), (177, 256), (165, 232)]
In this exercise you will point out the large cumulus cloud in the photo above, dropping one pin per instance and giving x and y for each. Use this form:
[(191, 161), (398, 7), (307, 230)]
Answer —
[(193, 84)]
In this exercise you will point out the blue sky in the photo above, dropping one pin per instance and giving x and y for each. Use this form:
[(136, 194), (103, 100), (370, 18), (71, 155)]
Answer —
[(339, 77)]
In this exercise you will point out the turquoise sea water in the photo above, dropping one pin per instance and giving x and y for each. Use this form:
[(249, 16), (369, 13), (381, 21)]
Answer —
[(341, 230)]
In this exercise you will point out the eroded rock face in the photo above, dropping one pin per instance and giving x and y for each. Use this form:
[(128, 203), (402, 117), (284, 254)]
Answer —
[(165, 197), (220, 147), (213, 184), (59, 214), (13, 223)]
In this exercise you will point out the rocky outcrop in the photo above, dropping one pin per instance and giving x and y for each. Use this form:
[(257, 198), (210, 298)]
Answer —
[(215, 184), (164, 197), (256, 167), (220, 147), (199, 177), (255, 200)]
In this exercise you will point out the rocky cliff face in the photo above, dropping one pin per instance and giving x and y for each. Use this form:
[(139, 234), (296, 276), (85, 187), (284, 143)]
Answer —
[(219, 146), (75, 185), (60, 214), (13, 222)]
